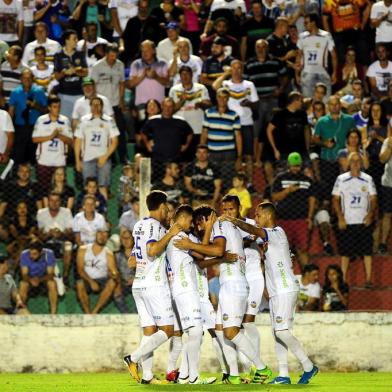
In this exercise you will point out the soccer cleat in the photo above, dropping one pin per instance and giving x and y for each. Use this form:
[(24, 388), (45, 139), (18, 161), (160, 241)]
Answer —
[(203, 381), (155, 381), (307, 376), (132, 367), (225, 376), (262, 375), (172, 376), (183, 380), (236, 380), (280, 380)]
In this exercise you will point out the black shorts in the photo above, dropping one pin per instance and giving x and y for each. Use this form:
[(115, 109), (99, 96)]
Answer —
[(386, 199), (247, 139), (356, 240)]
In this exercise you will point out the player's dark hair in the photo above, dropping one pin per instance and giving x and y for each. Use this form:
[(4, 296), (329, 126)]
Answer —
[(154, 199), (53, 99), (183, 209), (231, 199), (270, 207), (203, 211), (310, 268), (36, 245)]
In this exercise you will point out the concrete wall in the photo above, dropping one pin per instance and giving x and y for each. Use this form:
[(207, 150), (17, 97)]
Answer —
[(79, 343)]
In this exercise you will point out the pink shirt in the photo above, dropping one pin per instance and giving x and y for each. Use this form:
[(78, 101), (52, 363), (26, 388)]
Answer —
[(190, 16)]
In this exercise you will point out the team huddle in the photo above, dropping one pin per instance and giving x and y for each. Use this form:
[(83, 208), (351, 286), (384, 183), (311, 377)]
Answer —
[(172, 297)]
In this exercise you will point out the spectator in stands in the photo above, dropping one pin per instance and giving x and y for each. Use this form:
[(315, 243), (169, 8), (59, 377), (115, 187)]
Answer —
[(13, 22), (168, 12), (355, 204), (239, 189), (87, 222), (91, 188), (354, 143), (120, 13), (386, 102), (53, 136), (335, 290), (171, 183), (202, 179), (42, 71), (70, 67), (379, 72), (10, 301), (361, 117), (309, 288), (55, 226), (97, 272), (352, 102), (96, 139), (7, 137), (296, 205), (380, 19), (37, 274), (191, 26), (129, 218), (128, 186), (58, 184), (41, 39), (313, 45)]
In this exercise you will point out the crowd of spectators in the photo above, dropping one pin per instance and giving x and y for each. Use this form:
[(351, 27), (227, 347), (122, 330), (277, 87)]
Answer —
[(216, 92)]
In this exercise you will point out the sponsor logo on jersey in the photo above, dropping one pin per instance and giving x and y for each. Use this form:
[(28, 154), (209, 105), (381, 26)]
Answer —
[(278, 319), (225, 316), (253, 304)]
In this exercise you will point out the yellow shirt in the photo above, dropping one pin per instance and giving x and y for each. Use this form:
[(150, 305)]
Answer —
[(245, 200)]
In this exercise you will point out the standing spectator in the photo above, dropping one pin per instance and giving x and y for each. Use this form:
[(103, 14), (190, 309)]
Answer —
[(28, 21), (96, 139), (58, 184), (108, 74), (41, 39), (170, 183), (53, 136), (202, 179), (167, 12), (379, 73), (12, 21), (296, 205), (121, 12), (7, 136), (380, 19), (335, 290), (309, 288), (314, 45), (55, 225), (70, 67), (192, 25), (42, 71), (37, 274), (355, 203)]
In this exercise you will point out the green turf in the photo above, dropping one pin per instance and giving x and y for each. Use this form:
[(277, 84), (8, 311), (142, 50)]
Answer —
[(116, 382)]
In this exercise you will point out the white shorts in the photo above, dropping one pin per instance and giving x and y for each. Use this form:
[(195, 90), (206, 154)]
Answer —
[(208, 315), (176, 323), (232, 304), (189, 309), (282, 310), (154, 306), (255, 297)]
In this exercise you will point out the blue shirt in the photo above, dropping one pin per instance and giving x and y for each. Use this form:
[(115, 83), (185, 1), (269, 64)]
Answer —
[(38, 268), (18, 100)]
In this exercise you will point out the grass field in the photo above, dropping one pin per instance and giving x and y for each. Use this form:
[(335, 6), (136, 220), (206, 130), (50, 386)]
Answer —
[(120, 382)]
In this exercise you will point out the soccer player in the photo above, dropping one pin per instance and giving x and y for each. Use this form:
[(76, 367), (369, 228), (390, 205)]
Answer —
[(283, 287), (150, 287), (232, 296)]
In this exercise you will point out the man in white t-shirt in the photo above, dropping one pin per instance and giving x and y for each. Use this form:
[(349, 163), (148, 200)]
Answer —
[(282, 287), (12, 21), (53, 136), (314, 45), (121, 11), (381, 20), (309, 288), (96, 139), (379, 73), (7, 132)]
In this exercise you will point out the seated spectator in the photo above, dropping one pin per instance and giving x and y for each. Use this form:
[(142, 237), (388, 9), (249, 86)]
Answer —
[(59, 185), (42, 71), (361, 117), (170, 183), (97, 272), (335, 290), (129, 218), (309, 288), (352, 101), (87, 222), (10, 300), (37, 274), (128, 186), (239, 189), (91, 189), (55, 231), (354, 143)]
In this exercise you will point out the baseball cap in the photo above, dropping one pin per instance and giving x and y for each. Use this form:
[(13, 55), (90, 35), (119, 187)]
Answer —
[(87, 81), (172, 26), (294, 159), (219, 41)]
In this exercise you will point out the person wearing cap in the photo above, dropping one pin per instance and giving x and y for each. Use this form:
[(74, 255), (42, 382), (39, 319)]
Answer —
[(53, 136), (165, 48), (82, 104), (293, 193)]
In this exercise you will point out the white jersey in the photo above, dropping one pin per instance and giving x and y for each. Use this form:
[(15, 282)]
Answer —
[(150, 271), (279, 275), (315, 48), (43, 77), (354, 193), (311, 290), (253, 271), (182, 267), (87, 228), (6, 126), (96, 134), (245, 234), (11, 14), (96, 266), (82, 107), (53, 152), (234, 244), (382, 75), (194, 62), (239, 92), (384, 29), (52, 47)]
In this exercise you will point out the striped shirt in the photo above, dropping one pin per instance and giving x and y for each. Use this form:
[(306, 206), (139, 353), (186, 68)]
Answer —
[(221, 128), (10, 77)]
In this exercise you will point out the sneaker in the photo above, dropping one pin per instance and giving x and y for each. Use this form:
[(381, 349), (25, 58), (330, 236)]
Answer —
[(203, 381), (280, 380), (307, 376), (155, 381), (183, 380), (132, 367), (236, 380), (172, 376), (382, 249), (328, 249), (262, 375)]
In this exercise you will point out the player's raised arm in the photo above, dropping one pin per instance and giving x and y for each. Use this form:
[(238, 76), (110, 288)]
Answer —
[(156, 248), (254, 230), (216, 249)]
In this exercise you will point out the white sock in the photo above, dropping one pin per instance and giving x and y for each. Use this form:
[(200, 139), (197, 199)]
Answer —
[(243, 359), (253, 334), (175, 351), (230, 353), (219, 354), (146, 361), (281, 352), (150, 345), (184, 368), (296, 348), (247, 348), (195, 335)]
